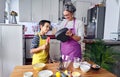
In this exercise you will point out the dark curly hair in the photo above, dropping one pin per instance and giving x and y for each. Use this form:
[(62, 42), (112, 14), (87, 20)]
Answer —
[(69, 7)]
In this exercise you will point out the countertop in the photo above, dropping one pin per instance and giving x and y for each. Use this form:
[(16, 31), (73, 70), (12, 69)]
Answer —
[(87, 41), (20, 70), (30, 36)]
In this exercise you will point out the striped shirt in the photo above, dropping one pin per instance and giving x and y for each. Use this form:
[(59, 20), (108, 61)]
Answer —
[(35, 41)]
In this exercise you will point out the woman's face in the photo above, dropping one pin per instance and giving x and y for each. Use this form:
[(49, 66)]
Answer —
[(68, 15), (45, 28)]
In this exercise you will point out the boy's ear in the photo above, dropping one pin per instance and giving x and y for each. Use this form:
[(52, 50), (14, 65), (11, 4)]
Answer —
[(40, 26)]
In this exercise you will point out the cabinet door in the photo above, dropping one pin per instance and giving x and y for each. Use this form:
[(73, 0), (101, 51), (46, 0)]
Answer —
[(25, 13), (54, 10), (54, 49), (37, 10), (12, 45), (45, 9), (81, 10), (28, 45)]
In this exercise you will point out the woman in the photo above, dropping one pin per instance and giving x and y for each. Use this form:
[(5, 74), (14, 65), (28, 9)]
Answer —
[(72, 47)]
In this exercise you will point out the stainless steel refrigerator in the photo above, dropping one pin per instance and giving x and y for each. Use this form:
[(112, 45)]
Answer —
[(95, 22)]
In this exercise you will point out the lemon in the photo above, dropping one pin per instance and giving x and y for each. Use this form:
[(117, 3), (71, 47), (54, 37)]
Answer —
[(66, 72), (58, 74)]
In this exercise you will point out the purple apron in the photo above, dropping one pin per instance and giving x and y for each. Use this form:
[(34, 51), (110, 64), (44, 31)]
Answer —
[(71, 47)]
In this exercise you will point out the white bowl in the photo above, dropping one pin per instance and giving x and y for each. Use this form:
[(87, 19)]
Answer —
[(39, 66), (28, 74), (45, 73), (76, 74), (84, 68)]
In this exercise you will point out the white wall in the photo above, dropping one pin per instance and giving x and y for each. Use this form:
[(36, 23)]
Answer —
[(2, 9), (0, 52), (111, 18)]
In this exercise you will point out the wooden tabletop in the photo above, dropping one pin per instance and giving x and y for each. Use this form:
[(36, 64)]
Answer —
[(19, 71)]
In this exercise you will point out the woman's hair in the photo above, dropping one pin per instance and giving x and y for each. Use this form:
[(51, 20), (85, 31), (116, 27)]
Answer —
[(69, 7), (42, 22)]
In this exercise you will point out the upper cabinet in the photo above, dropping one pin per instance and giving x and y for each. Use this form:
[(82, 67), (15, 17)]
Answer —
[(25, 10), (81, 10), (36, 10)]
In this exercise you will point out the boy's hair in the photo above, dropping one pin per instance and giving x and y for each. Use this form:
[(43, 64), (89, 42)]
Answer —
[(42, 22)]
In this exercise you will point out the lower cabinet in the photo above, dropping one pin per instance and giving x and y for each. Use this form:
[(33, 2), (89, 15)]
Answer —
[(54, 49), (27, 48)]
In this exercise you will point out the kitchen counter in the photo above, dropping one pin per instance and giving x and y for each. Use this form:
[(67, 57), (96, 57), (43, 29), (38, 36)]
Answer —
[(112, 42), (87, 41), (30, 36), (107, 42)]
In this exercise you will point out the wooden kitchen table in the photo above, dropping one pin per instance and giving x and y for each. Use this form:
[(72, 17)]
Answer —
[(19, 71)]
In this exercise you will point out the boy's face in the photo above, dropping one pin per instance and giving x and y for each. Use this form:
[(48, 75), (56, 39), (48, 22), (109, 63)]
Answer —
[(45, 28)]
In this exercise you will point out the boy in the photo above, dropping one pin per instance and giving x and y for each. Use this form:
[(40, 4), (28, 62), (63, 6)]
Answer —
[(40, 45)]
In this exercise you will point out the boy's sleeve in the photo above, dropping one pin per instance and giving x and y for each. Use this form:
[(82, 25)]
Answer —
[(35, 42)]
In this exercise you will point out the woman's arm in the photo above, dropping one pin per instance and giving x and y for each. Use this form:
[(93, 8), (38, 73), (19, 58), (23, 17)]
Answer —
[(70, 34), (75, 37)]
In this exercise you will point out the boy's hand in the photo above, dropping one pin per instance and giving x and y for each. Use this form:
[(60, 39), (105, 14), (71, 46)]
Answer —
[(44, 47), (47, 40)]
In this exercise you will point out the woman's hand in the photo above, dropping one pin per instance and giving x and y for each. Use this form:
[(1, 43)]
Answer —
[(69, 33)]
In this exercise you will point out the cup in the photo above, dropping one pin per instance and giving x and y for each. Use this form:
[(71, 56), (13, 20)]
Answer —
[(28, 74), (67, 61), (85, 68), (76, 62)]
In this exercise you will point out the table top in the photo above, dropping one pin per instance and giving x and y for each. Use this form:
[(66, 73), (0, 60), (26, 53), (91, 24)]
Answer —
[(19, 71)]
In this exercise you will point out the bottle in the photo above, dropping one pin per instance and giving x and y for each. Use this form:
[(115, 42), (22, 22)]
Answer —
[(61, 65)]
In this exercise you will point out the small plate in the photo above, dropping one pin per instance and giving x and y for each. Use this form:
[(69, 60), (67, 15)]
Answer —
[(95, 67), (45, 73)]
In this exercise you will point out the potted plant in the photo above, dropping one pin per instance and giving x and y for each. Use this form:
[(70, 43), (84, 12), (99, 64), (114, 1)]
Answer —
[(101, 54)]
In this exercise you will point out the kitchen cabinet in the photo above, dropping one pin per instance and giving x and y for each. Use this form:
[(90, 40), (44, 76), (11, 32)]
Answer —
[(2, 10), (36, 10), (81, 10), (54, 49), (27, 47), (11, 48), (25, 10)]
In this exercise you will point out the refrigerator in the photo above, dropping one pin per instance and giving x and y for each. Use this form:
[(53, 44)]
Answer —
[(11, 48), (95, 22)]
